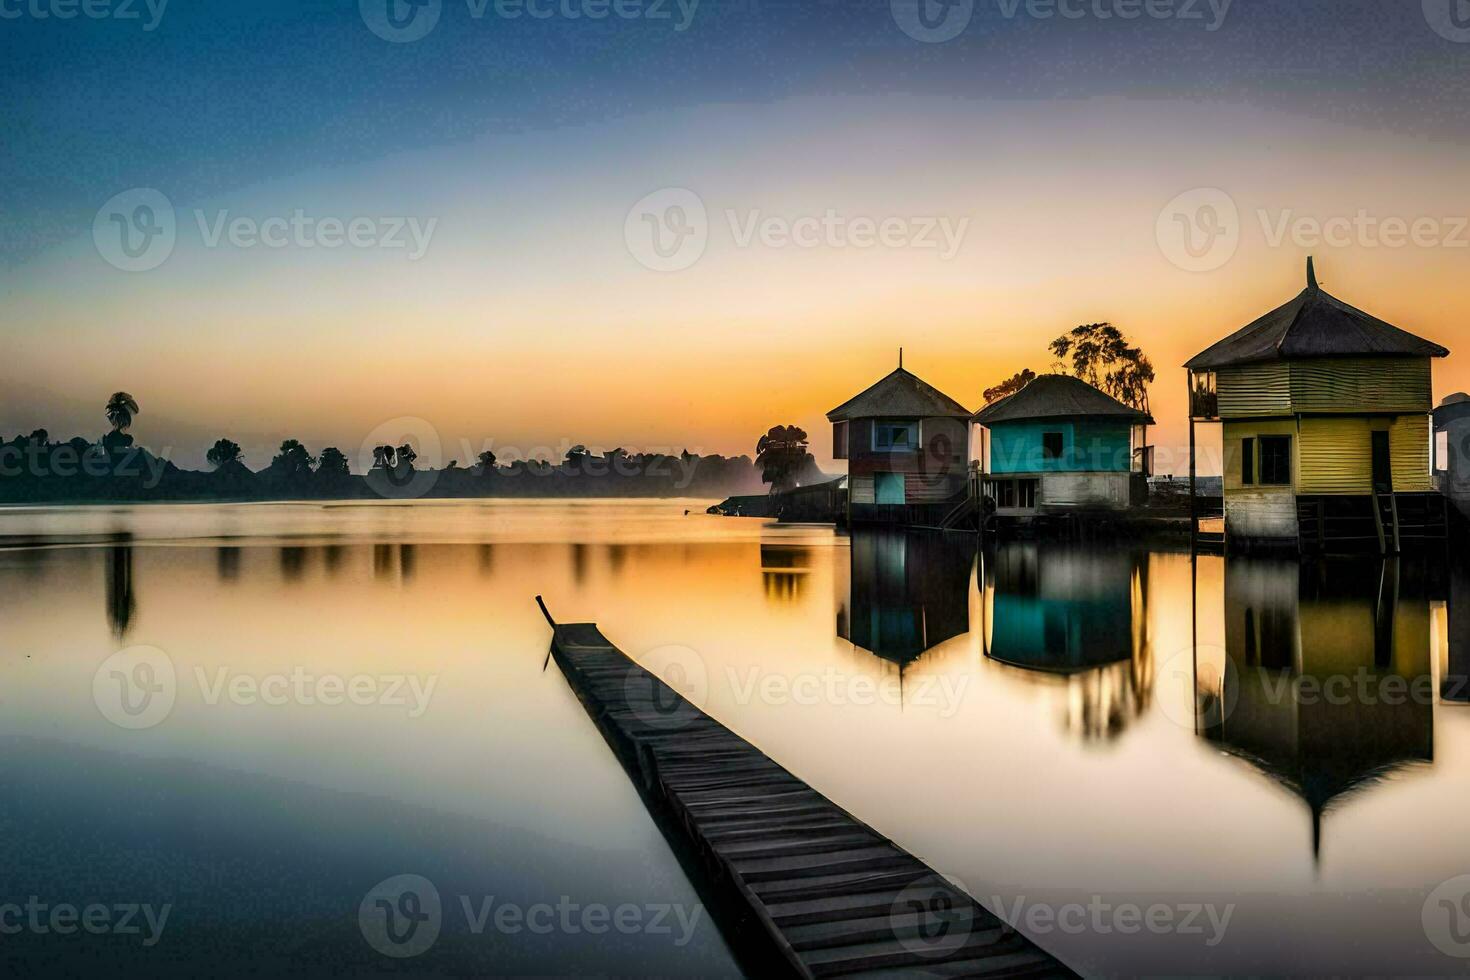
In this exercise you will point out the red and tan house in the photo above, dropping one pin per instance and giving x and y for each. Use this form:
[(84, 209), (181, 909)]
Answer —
[(907, 446)]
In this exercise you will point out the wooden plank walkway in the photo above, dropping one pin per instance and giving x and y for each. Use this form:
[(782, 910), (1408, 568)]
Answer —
[(822, 892)]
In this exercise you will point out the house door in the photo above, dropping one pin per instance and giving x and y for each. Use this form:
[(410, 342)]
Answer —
[(1382, 465), (888, 488)]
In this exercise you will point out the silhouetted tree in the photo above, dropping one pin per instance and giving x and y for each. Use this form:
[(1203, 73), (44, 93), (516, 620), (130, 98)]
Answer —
[(120, 409), (487, 463), (1100, 355), (383, 456), (406, 456), (333, 463), (293, 459), (1010, 385), (780, 454), (223, 451)]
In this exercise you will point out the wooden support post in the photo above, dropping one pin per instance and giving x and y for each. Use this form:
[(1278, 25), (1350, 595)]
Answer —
[(1378, 522), (1393, 501), (1193, 507)]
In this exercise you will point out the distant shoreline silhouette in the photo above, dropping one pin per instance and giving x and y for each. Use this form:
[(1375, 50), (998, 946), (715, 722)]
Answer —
[(36, 470)]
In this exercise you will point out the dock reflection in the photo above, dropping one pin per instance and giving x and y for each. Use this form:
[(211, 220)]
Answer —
[(122, 601), (907, 591), (1076, 617), (1326, 682)]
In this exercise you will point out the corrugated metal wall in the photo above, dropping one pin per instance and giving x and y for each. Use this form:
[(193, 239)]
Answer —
[(1361, 384), (1336, 456), (1408, 445), (1254, 390), (1331, 385)]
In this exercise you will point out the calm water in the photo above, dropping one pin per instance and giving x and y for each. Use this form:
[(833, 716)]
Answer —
[(1053, 727)]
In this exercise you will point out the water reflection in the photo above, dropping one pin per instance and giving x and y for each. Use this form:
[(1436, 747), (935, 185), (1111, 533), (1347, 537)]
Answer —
[(1078, 616), (1455, 685), (122, 604), (293, 563), (907, 591), (1325, 682), (227, 563), (785, 571)]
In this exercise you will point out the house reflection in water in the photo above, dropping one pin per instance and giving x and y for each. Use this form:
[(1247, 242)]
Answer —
[(1455, 684), (907, 591), (1075, 617), (1326, 684), (785, 571)]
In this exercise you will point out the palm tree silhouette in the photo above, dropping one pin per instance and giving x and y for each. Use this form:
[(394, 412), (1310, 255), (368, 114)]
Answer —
[(121, 408)]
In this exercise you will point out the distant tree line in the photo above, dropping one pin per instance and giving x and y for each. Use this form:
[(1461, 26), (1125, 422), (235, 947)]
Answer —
[(33, 468)]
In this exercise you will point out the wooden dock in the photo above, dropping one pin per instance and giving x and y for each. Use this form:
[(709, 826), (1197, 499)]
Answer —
[(795, 882)]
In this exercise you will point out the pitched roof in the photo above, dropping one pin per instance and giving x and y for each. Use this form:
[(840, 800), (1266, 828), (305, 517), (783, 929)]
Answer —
[(900, 395), (1314, 324), (1058, 396)]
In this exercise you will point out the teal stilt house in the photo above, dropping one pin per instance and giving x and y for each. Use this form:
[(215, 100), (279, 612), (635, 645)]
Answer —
[(1060, 445)]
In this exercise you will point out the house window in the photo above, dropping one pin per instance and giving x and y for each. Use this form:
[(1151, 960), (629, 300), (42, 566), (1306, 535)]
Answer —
[(1247, 462), (1276, 461), (1014, 494), (895, 437), (1026, 494), (1051, 445), (1442, 451), (839, 440)]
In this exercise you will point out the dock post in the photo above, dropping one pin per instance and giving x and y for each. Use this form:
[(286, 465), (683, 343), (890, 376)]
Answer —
[(1193, 505)]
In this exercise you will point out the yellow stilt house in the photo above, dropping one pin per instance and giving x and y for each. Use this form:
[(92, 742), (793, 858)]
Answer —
[(1325, 416)]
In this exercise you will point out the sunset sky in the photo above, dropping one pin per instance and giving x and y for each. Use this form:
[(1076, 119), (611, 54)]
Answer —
[(1059, 146)]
